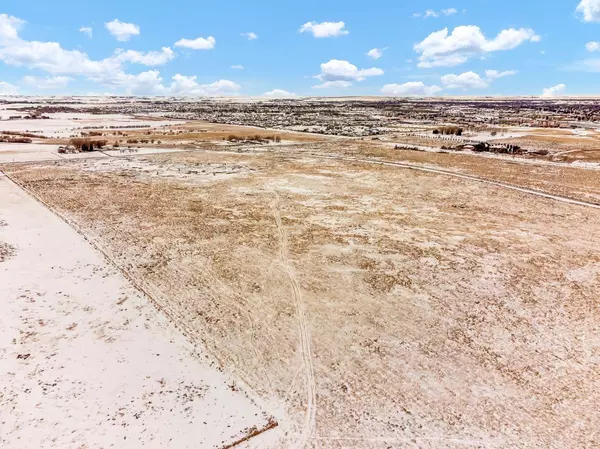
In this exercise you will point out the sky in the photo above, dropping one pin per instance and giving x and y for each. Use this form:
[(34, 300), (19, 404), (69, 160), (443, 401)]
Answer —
[(304, 48)]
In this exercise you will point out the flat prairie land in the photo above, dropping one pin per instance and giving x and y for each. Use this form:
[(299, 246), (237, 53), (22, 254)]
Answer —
[(378, 306)]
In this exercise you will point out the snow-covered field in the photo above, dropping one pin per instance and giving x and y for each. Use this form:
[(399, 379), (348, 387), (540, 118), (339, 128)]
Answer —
[(86, 361), (64, 124)]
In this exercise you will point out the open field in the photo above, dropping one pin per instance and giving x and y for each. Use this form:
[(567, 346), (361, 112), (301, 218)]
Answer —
[(86, 361), (378, 306), (325, 273)]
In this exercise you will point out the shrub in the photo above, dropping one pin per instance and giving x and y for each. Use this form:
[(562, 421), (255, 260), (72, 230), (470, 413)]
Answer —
[(80, 143), (447, 130)]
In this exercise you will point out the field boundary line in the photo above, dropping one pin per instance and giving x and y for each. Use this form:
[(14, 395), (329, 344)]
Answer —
[(441, 171), (271, 422)]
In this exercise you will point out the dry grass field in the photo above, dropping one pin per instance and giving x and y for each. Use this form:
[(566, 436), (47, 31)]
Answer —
[(188, 133), (381, 307)]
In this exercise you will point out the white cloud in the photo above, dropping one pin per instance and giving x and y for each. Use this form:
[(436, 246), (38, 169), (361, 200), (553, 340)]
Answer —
[(376, 53), (151, 58), (449, 11), (587, 65), (54, 82), (279, 93), (589, 10), (7, 88), (237, 67), (145, 83), (592, 46), (338, 70), (464, 81), (441, 49), (52, 58), (325, 29), (197, 44), (333, 85), (410, 89), (87, 31), (472, 80), (435, 14), (251, 36), (495, 74), (151, 83), (553, 91), (122, 31), (9, 28), (187, 85)]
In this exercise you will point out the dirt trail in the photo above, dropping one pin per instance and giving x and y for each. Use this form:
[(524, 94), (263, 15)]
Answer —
[(304, 332), (562, 199)]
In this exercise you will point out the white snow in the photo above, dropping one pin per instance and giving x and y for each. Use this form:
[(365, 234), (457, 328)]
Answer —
[(86, 361)]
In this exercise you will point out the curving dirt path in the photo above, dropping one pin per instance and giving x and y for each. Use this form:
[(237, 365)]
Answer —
[(304, 332)]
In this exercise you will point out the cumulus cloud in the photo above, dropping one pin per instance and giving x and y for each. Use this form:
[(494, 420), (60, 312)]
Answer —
[(237, 67), (325, 29), (122, 31), (472, 80), (151, 83), (553, 91), (87, 31), (444, 49), (589, 10), (495, 74), (592, 46), (9, 28), (376, 53), (251, 36), (151, 58), (279, 93), (8, 89), (197, 44), (50, 82), (52, 58), (464, 81), (410, 89), (343, 73), (187, 85), (333, 85)]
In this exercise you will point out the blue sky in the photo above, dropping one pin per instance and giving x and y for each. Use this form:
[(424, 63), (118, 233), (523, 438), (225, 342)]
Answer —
[(483, 47)]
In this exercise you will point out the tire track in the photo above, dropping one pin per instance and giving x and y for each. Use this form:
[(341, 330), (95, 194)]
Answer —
[(304, 333), (441, 171)]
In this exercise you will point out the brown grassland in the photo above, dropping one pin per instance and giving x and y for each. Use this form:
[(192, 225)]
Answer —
[(439, 312)]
